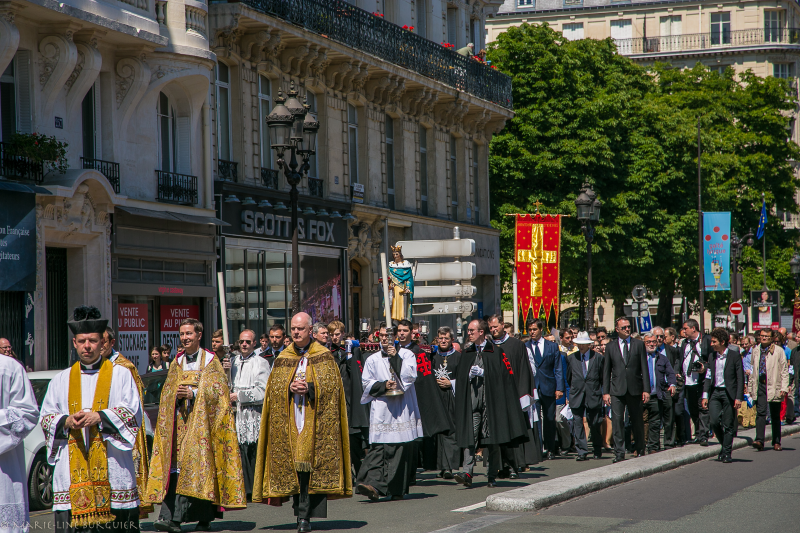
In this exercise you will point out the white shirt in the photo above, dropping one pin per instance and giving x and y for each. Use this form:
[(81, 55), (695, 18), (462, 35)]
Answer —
[(719, 371), (622, 344), (300, 399), (691, 377)]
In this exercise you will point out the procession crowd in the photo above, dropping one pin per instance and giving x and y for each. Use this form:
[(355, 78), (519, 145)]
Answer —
[(310, 416)]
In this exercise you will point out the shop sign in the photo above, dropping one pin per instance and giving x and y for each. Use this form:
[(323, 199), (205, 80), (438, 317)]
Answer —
[(765, 309), (133, 334), (17, 241), (171, 318), (358, 193)]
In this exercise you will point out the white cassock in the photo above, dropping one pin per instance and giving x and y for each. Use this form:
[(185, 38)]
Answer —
[(249, 378), (18, 416), (124, 413), (392, 419)]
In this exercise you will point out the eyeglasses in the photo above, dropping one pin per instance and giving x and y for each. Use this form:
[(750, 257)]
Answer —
[(625, 327), (246, 342), (5, 347), (660, 336)]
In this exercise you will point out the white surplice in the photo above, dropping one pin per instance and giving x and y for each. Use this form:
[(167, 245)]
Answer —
[(18, 416), (392, 419), (124, 413), (249, 376)]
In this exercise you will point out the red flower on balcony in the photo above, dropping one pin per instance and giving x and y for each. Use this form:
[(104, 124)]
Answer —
[(448, 45), (409, 28), (377, 14)]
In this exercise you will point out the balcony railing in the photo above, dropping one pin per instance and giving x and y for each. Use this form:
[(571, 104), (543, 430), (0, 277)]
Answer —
[(269, 178), (315, 187), (176, 188), (342, 22), (16, 167), (707, 41), (109, 169), (227, 170)]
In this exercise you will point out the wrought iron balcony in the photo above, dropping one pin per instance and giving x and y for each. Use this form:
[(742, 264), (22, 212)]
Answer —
[(343, 22), (708, 41), (269, 178), (109, 169), (227, 170), (17, 167), (174, 188), (315, 187)]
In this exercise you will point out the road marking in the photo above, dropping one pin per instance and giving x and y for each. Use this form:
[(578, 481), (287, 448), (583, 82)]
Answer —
[(477, 523), (469, 507)]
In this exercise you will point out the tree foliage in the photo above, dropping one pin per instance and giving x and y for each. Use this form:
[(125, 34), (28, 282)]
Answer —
[(585, 114)]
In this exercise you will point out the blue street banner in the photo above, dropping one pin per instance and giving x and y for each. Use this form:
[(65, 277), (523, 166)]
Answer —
[(717, 251), (17, 242)]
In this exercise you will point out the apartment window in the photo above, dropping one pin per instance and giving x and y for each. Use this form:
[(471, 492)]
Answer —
[(422, 18), (311, 100), (719, 69), (773, 26), (573, 31), (390, 160), (89, 124), (476, 187), (720, 28), (622, 33), (423, 170), (223, 111), (15, 97), (166, 134), (671, 29), (475, 34), (452, 26), (525, 3), (264, 108), (453, 180), (783, 70), (352, 144)]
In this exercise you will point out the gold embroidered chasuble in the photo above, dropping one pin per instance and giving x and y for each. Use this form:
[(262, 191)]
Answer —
[(201, 439), (323, 446), (140, 455)]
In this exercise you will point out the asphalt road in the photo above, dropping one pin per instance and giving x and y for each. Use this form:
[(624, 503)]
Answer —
[(758, 492)]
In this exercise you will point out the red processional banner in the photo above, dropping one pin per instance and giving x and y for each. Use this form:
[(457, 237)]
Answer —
[(796, 315), (537, 253)]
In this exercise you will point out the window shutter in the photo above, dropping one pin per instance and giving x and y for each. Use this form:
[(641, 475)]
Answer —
[(183, 145), (23, 75), (97, 122)]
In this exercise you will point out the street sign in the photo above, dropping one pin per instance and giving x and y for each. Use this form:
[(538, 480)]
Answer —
[(645, 323), (736, 308), (438, 248), (639, 292), (445, 291), (444, 308), (444, 271)]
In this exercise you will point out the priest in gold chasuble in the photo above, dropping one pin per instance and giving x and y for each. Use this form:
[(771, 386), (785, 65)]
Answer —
[(303, 446), (195, 467)]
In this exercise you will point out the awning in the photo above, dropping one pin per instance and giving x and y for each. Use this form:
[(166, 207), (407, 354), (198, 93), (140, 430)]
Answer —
[(175, 217), (20, 187)]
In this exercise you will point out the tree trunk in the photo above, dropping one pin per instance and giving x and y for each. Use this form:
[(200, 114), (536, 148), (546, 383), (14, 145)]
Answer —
[(664, 313)]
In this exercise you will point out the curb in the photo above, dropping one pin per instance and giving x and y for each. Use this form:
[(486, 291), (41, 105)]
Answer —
[(547, 493)]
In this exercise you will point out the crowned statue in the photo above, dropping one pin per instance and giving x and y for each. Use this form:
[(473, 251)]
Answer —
[(401, 285)]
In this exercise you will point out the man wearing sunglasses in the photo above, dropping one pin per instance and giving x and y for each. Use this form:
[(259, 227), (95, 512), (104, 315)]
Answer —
[(694, 351), (626, 383)]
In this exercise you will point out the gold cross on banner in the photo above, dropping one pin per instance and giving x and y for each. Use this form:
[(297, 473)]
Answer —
[(537, 256), (537, 204)]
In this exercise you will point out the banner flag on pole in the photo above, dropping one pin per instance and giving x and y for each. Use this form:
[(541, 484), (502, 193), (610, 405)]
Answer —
[(762, 221), (717, 251), (537, 254)]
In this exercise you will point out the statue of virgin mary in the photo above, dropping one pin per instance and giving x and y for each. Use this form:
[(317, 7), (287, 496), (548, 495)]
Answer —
[(401, 285)]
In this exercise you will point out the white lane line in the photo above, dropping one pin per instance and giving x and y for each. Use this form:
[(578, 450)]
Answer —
[(478, 523), (469, 507)]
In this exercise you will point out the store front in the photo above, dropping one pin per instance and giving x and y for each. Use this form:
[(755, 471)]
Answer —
[(256, 257), (162, 271)]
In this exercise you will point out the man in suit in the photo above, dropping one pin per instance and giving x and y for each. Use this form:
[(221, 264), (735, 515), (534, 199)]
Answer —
[(673, 355), (695, 349), (626, 383), (723, 390), (548, 376), (662, 389), (585, 380)]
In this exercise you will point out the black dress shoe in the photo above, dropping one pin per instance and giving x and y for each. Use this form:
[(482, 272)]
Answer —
[(463, 478), (503, 474), (727, 459), (167, 525), (447, 474), (619, 459), (397, 497), (582, 457), (549, 456), (720, 456), (203, 526), (704, 443), (492, 483), (368, 491), (598, 456), (303, 525), (758, 445), (513, 474)]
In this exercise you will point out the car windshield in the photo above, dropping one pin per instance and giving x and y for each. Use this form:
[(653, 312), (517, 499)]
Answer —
[(40, 389)]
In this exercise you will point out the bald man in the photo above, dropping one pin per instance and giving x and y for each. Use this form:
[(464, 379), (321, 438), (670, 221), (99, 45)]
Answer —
[(5, 347), (310, 430)]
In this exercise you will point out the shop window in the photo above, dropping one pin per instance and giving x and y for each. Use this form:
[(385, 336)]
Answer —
[(264, 109), (157, 271), (256, 287), (423, 169), (15, 97), (223, 84), (389, 126)]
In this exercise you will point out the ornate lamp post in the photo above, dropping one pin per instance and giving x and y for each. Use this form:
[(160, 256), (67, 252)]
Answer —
[(291, 127), (737, 244), (588, 207)]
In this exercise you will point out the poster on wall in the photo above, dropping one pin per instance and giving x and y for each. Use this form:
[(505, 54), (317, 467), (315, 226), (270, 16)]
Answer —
[(171, 318), (324, 304), (132, 334), (17, 241), (765, 309)]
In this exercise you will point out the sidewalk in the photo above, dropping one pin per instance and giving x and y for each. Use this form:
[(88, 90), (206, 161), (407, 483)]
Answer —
[(546, 493)]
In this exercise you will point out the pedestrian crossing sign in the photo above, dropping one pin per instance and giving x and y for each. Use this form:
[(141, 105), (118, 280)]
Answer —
[(645, 323)]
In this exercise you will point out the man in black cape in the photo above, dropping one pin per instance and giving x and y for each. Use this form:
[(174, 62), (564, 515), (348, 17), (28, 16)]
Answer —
[(351, 365), (435, 416), (517, 458), (445, 360), (487, 406)]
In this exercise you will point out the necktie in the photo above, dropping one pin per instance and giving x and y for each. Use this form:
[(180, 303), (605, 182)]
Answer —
[(537, 352), (584, 364), (625, 351), (652, 364)]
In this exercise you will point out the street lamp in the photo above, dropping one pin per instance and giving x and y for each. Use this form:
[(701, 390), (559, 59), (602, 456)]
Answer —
[(588, 207), (291, 126)]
